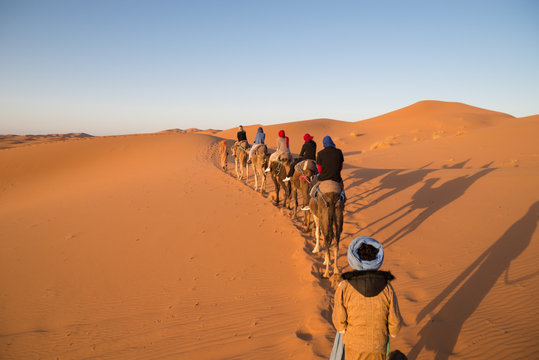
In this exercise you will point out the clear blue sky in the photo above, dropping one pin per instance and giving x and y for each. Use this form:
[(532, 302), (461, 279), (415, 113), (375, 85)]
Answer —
[(116, 67)]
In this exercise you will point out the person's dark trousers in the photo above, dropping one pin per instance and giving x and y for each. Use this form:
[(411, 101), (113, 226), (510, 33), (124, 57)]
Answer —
[(314, 181), (293, 167)]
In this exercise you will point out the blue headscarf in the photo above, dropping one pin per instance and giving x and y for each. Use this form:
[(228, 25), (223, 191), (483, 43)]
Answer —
[(361, 265), (327, 141)]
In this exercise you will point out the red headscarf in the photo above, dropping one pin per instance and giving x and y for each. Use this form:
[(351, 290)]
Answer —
[(307, 137), (281, 134)]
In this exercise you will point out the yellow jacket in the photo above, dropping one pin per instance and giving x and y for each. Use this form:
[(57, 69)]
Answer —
[(366, 309)]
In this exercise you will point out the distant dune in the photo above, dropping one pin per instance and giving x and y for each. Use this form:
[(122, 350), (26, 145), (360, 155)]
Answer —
[(127, 247), (179, 131), (9, 141)]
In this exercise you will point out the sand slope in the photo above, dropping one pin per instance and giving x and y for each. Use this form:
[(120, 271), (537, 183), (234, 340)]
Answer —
[(139, 247)]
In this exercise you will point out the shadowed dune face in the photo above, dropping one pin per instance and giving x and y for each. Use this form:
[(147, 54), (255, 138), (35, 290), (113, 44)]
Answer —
[(140, 246)]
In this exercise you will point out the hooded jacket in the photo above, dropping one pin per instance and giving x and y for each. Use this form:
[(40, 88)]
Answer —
[(366, 309)]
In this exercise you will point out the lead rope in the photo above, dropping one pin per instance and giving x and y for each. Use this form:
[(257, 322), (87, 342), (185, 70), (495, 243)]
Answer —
[(279, 167)]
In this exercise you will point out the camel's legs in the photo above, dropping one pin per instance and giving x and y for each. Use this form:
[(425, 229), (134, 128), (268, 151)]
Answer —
[(316, 234), (326, 262), (277, 188), (236, 166), (256, 177), (295, 208), (306, 221), (336, 254)]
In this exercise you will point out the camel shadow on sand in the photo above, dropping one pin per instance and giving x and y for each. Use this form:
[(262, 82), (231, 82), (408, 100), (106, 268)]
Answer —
[(428, 200), (441, 332), (394, 181)]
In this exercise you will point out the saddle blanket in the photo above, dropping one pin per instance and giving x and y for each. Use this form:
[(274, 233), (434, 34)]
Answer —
[(328, 186)]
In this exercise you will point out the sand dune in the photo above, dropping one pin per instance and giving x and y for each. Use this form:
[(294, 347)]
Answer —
[(10, 141), (139, 247)]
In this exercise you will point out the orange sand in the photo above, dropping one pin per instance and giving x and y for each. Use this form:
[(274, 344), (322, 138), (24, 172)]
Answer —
[(139, 247)]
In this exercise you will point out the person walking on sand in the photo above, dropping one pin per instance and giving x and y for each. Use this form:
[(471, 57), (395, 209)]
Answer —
[(366, 312), (308, 152), (223, 151), (260, 137), (282, 148)]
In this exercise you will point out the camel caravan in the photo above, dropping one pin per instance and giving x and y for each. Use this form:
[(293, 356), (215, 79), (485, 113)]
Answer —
[(318, 183)]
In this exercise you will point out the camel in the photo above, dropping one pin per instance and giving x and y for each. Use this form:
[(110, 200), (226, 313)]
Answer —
[(223, 151), (300, 181), (327, 208), (278, 170), (240, 153), (259, 160)]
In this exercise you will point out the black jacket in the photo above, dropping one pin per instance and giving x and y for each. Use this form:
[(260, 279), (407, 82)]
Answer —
[(331, 160), (308, 150), (242, 136)]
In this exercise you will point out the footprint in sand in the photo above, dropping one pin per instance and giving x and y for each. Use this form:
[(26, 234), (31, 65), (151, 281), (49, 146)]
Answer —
[(413, 275), (303, 335), (70, 236), (415, 295)]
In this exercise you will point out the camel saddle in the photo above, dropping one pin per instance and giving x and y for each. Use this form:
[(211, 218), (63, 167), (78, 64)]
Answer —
[(307, 165), (329, 186), (243, 144)]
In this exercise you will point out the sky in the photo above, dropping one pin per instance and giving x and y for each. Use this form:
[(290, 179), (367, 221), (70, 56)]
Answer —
[(108, 67)]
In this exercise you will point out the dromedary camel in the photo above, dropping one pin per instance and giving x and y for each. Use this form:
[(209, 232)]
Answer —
[(327, 208), (240, 153), (223, 152), (303, 173), (278, 170), (259, 160)]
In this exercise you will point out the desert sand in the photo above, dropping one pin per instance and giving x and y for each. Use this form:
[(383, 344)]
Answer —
[(140, 247)]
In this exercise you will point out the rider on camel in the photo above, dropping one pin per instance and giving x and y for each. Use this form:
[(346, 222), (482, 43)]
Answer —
[(282, 148), (329, 162), (308, 152)]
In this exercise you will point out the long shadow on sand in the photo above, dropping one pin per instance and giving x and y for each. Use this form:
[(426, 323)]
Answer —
[(361, 175), (396, 181), (440, 334), (429, 199)]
